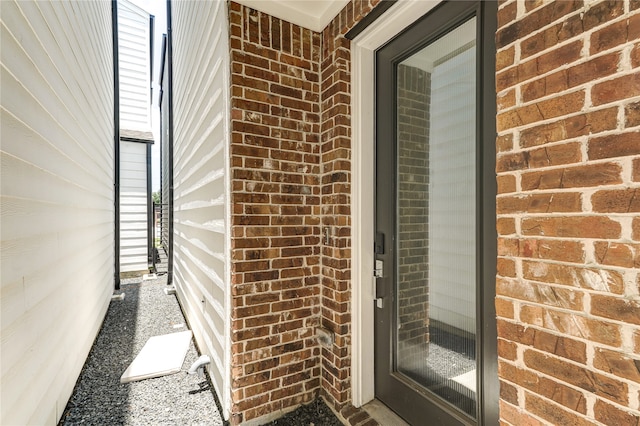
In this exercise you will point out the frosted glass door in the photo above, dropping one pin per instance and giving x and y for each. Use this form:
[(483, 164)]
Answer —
[(436, 220)]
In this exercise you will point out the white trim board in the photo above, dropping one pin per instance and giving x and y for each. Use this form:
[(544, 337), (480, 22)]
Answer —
[(363, 47)]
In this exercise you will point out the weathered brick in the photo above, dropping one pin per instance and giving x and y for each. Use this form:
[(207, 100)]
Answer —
[(616, 308), (561, 250), (617, 363), (539, 203), (611, 415), (616, 201), (565, 298), (506, 226), (573, 325), (632, 114), (598, 384), (572, 227), (505, 58), (552, 412), (573, 177), (562, 274), (615, 145), (572, 127), (624, 87), (610, 36), (635, 229)]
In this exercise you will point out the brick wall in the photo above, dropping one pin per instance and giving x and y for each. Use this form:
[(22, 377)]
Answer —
[(414, 92), (275, 155), (568, 165), (336, 200), (290, 154)]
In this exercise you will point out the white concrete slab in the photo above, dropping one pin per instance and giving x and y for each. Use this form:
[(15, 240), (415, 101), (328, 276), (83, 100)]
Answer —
[(160, 356), (468, 380)]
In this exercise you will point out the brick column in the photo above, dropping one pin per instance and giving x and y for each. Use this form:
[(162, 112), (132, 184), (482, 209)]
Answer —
[(275, 157)]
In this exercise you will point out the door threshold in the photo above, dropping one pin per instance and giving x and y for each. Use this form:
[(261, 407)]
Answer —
[(382, 414)]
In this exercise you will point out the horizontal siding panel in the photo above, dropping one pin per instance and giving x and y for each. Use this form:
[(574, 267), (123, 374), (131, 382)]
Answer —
[(201, 199), (134, 67), (56, 207)]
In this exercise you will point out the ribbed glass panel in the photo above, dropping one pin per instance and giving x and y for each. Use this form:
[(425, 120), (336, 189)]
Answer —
[(436, 175)]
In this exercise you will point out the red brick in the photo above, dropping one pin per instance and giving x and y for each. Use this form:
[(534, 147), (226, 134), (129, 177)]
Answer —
[(616, 145), (535, 20), (508, 393), (512, 416), (632, 114), (572, 227), (565, 298), (505, 58), (561, 250), (507, 14), (572, 127), (573, 177), (551, 108), (616, 201), (504, 142), (552, 412), (609, 415), (571, 324), (562, 274), (539, 203), (578, 376), (609, 37), (624, 87), (594, 69), (635, 229), (506, 267), (618, 364), (616, 308), (504, 308), (506, 184), (635, 56), (506, 226), (602, 12)]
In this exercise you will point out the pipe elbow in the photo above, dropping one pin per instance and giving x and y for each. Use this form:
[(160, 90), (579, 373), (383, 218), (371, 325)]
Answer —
[(198, 366)]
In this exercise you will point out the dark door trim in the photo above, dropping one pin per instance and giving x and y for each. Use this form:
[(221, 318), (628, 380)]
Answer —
[(401, 47)]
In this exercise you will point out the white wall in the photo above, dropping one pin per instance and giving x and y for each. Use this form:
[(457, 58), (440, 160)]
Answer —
[(135, 69), (452, 214), (201, 175), (134, 238), (57, 254)]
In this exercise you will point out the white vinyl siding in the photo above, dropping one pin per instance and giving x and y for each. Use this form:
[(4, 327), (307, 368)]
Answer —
[(133, 207), (452, 214), (134, 64), (57, 228), (201, 189)]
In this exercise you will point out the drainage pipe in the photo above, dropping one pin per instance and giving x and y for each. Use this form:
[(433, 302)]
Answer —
[(116, 145), (170, 144)]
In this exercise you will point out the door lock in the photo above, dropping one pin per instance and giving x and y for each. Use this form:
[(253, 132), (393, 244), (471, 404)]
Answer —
[(378, 272)]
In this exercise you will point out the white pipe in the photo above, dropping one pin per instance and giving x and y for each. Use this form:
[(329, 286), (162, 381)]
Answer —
[(198, 366)]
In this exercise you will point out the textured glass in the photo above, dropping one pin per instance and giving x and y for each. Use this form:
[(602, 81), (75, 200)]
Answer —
[(436, 175)]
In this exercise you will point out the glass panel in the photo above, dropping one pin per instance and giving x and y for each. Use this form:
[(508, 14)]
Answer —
[(436, 102)]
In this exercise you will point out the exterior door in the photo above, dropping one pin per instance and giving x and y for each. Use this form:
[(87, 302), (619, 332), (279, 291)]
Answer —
[(435, 218)]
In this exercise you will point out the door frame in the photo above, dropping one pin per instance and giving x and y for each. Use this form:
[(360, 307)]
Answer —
[(391, 23)]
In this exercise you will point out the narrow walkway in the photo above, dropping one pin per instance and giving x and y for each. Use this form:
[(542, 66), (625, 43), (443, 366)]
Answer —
[(178, 399)]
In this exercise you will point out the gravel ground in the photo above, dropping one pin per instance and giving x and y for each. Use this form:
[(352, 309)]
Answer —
[(314, 414), (178, 399)]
